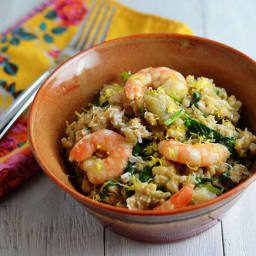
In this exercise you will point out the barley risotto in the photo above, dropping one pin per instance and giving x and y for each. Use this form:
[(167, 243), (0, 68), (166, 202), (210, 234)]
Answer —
[(158, 141)]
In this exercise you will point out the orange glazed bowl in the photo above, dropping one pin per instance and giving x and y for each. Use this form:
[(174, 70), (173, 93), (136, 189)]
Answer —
[(74, 84)]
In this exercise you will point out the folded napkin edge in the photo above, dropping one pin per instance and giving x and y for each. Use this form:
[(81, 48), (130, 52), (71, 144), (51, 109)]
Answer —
[(153, 17)]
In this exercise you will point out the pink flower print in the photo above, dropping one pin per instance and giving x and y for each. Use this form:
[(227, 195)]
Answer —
[(71, 12)]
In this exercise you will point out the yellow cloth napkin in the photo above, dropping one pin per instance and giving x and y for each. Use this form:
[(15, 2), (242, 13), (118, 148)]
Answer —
[(30, 47)]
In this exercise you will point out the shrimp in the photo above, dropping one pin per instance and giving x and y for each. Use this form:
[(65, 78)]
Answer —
[(196, 155), (172, 81), (179, 199), (98, 170)]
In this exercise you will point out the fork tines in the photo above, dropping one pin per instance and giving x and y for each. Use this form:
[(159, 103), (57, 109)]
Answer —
[(95, 26)]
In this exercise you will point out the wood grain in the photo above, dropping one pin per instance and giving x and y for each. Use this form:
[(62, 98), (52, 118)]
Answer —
[(232, 22), (42, 220), (239, 226), (208, 243)]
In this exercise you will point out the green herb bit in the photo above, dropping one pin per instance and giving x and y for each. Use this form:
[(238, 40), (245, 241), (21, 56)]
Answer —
[(211, 188), (126, 76), (234, 159), (226, 174), (149, 149), (130, 168), (128, 192), (203, 180), (218, 92), (104, 104), (174, 117), (226, 181), (109, 184), (225, 177), (195, 127), (204, 115), (97, 103), (146, 174), (175, 98), (196, 98), (78, 114), (138, 149)]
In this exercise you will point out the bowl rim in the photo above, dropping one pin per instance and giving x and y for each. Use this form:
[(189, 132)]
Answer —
[(234, 191)]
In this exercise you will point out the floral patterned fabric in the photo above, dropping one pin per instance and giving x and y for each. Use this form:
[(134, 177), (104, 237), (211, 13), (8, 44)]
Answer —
[(30, 47)]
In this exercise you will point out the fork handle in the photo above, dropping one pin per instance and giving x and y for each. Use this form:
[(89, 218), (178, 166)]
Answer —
[(17, 115), (13, 111)]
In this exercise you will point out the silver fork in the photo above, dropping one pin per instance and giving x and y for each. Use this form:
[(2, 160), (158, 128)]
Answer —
[(78, 43)]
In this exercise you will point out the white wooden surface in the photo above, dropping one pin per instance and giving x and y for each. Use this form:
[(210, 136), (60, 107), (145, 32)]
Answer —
[(40, 219)]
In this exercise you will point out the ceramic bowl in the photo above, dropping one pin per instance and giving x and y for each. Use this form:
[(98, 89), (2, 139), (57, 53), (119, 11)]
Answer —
[(74, 84)]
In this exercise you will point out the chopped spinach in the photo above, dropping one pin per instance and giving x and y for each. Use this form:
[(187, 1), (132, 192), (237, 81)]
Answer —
[(195, 127), (109, 184), (149, 150), (138, 149), (130, 168), (174, 117), (225, 177), (226, 181), (104, 104), (196, 98), (211, 188), (207, 183), (125, 76), (235, 158), (146, 174), (203, 114), (128, 192), (203, 180)]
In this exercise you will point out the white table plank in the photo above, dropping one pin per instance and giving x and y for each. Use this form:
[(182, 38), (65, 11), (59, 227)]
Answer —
[(239, 226), (233, 23), (42, 220), (208, 243)]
